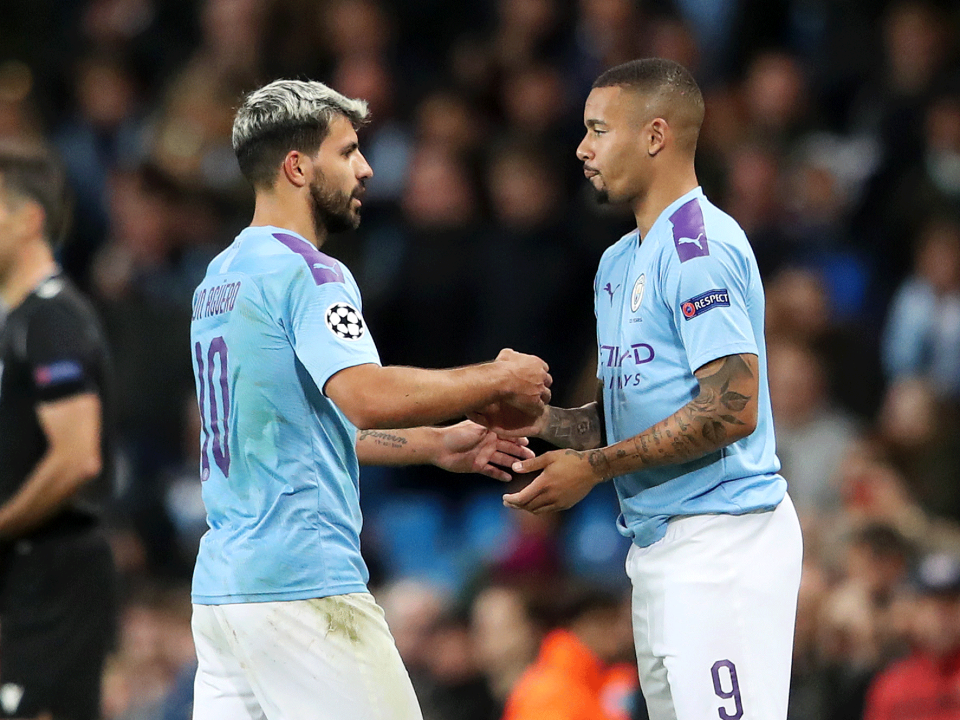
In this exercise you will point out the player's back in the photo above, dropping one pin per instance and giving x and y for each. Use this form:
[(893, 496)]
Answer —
[(278, 464)]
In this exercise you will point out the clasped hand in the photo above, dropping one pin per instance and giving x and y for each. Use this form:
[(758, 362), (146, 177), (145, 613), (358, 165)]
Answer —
[(565, 479)]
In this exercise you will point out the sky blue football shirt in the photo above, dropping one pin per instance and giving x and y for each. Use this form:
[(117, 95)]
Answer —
[(688, 294), (273, 320)]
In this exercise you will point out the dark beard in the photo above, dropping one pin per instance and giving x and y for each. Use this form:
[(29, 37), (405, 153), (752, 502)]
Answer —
[(331, 209), (603, 197)]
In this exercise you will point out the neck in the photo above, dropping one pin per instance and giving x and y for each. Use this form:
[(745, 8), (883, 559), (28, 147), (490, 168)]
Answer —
[(647, 208), (34, 263), (288, 212)]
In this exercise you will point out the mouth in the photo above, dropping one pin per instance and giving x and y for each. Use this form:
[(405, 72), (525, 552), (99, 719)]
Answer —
[(589, 172)]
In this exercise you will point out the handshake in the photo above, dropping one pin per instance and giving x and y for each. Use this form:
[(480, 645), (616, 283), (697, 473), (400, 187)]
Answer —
[(524, 393)]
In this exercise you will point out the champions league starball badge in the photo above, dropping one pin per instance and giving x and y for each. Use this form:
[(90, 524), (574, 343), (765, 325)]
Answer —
[(345, 321), (637, 296)]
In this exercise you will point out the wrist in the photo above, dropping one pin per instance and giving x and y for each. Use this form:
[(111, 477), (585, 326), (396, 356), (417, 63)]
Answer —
[(543, 423), (433, 444), (498, 379), (599, 465)]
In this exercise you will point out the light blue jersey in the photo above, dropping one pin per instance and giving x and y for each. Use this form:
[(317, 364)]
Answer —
[(688, 294), (273, 320)]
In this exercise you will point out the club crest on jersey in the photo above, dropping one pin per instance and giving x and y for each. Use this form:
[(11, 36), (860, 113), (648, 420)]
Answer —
[(689, 235), (345, 321), (637, 296), (703, 302)]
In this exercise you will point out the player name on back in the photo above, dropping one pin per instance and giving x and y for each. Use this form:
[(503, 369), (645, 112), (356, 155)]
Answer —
[(215, 301)]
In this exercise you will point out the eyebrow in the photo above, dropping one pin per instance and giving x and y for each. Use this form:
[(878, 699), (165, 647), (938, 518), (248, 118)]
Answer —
[(347, 149), (593, 122)]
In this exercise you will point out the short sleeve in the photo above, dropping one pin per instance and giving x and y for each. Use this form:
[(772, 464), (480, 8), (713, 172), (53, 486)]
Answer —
[(327, 327), (61, 351), (710, 295)]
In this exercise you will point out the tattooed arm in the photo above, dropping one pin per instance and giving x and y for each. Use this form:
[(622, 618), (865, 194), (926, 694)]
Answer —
[(576, 428), (462, 448), (724, 411), (579, 428)]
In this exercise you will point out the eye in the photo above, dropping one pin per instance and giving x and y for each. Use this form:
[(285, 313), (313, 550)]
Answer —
[(599, 132)]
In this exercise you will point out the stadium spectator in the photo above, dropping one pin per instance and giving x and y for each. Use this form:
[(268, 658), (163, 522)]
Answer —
[(921, 336), (918, 434), (506, 636), (575, 676), (923, 686), (813, 435)]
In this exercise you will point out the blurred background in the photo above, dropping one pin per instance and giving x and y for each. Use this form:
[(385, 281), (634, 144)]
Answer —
[(833, 137)]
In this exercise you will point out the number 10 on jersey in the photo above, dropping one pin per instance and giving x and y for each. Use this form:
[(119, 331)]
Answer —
[(214, 401)]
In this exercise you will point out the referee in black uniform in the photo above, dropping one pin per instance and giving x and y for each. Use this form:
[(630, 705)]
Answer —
[(57, 588)]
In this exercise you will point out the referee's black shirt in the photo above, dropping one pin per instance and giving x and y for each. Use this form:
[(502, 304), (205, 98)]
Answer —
[(51, 347)]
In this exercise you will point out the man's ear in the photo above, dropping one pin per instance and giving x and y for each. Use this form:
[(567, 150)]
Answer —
[(296, 168), (656, 135)]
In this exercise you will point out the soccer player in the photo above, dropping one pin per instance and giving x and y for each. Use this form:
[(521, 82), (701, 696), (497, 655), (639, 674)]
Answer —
[(286, 374), (682, 421), (57, 579)]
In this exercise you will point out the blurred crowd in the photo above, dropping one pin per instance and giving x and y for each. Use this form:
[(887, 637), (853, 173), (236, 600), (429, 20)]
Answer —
[(833, 137)]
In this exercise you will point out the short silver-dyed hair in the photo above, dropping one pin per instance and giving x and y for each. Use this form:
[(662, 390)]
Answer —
[(283, 116), (288, 103)]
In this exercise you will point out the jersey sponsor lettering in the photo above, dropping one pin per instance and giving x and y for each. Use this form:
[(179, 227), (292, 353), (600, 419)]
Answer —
[(611, 356), (638, 354), (217, 300), (706, 301)]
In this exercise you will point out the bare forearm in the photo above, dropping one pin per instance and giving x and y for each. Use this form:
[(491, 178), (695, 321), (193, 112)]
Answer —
[(723, 413), (54, 480), (576, 428), (406, 397), (410, 446)]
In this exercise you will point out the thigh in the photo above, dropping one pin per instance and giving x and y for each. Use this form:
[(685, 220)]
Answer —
[(329, 658), (221, 689), (714, 609), (58, 624)]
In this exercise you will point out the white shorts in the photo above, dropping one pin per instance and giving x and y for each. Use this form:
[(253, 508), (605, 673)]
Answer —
[(331, 658), (714, 605)]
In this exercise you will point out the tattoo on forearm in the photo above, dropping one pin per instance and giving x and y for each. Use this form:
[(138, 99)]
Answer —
[(600, 463), (576, 428), (383, 438), (703, 425)]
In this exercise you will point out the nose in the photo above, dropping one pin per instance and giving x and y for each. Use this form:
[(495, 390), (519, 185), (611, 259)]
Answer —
[(583, 152), (364, 170)]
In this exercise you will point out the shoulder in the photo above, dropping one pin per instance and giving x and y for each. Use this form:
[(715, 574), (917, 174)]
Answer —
[(279, 263), (698, 228), (57, 305), (302, 258)]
